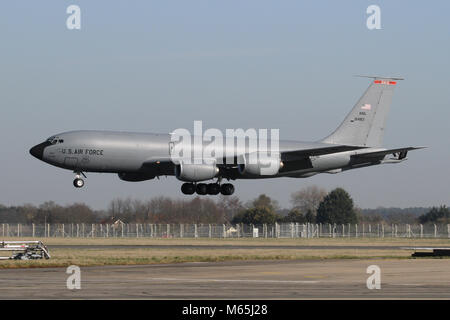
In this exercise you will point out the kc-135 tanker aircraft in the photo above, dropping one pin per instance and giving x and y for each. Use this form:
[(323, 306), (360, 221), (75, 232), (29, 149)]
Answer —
[(356, 143)]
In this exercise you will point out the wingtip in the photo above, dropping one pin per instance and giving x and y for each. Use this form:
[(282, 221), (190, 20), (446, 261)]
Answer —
[(419, 147)]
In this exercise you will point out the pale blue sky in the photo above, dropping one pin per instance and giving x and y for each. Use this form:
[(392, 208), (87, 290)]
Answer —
[(154, 66)]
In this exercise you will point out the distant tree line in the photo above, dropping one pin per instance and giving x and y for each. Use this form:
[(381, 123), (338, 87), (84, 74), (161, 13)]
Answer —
[(168, 210), (49, 212), (435, 214), (392, 215), (311, 204)]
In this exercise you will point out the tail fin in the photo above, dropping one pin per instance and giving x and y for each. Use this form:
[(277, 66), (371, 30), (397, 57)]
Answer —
[(364, 125)]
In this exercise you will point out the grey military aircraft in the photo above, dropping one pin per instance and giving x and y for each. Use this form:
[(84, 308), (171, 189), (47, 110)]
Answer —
[(356, 143)]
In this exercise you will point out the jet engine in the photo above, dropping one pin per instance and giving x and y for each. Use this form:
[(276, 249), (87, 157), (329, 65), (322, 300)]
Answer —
[(331, 161), (195, 172), (259, 164)]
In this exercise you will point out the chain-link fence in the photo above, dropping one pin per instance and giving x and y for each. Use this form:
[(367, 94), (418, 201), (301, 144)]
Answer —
[(283, 230)]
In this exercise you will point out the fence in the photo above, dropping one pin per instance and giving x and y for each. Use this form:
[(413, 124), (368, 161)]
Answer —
[(285, 230)]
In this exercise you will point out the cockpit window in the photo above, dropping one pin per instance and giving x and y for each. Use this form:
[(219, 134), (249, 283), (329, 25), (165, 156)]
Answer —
[(55, 140)]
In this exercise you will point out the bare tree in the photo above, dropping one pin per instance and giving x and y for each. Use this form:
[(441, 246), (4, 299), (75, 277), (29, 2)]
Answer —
[(308, 199), (231, 206), (121, 209)]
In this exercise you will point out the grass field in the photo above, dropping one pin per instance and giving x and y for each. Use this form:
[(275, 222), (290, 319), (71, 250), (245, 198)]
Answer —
[(133, 254)]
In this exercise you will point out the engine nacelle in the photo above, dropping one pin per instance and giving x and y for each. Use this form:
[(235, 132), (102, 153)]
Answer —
[(135, 177), (195, 172), (260, 164), (331, 161)]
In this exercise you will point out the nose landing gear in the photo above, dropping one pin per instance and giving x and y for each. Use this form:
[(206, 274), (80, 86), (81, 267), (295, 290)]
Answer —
[(78, 182)]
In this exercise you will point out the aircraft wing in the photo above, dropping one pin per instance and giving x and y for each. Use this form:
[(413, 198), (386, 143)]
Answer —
[(293, 155), (296, 159), (285, 155), (305, 153), (290, 155), (400, 153)]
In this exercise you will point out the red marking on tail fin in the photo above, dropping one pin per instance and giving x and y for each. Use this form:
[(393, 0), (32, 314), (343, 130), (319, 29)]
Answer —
[(385, 82)]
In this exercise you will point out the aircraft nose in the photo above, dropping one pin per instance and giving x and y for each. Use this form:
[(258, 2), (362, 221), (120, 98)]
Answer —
[(38, 150)]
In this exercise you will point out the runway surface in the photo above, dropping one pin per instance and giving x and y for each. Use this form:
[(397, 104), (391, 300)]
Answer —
[(183, 246), (299, 279)]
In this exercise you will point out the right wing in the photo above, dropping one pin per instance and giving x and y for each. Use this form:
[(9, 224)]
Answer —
[(399, 153), (301, 155), (292, 159), (305, 153), (300, 159)]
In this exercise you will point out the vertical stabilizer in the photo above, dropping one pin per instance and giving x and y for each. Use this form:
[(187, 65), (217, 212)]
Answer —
[(364, 125)]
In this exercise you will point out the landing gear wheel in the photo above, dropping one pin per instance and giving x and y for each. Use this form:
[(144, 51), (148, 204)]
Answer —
[(78, 183), (202, 189), (213, 189), (188, 188), (227, 189)]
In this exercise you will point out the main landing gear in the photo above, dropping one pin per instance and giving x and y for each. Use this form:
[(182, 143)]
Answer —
[(226, 189), (78, 182)]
